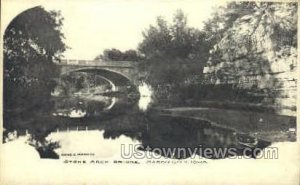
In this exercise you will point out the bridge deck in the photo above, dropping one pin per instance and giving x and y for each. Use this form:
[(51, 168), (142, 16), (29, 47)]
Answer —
[(97, 63)]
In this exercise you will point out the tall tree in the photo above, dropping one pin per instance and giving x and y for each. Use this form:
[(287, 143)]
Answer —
[(32, 43), (174, 51), (157, 40)]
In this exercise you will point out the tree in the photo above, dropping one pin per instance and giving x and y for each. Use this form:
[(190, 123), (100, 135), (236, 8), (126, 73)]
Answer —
[(131, 55), (176, 40), (157, 40), (32, 43), (112, 54), (117, 55), (175, 55), (224, 18), (279, 20), (174, 52)]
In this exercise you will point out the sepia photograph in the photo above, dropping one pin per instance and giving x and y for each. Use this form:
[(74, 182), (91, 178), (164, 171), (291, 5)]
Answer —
[(149, 92)]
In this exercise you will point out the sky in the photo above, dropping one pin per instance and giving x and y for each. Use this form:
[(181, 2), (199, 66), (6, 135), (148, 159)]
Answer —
[(91, 26)]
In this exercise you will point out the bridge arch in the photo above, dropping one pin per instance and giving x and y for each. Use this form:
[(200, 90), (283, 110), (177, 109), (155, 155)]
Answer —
[(114, 77)]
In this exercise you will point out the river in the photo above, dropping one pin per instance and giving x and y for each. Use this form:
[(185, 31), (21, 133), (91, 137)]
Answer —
[(103, 123)]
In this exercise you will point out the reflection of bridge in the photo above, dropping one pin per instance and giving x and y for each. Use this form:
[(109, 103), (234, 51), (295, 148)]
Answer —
[(119, 72)]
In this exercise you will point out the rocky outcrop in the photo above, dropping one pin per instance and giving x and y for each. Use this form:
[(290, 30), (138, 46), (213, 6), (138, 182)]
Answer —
[(249, 57)]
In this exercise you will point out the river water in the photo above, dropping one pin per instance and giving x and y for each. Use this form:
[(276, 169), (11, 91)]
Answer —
[(106, 124)]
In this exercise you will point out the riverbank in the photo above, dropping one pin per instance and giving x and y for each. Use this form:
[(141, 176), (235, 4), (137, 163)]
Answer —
[(265, 126)]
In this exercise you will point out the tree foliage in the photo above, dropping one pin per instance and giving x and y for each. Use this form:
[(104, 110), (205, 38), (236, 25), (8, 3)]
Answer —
[(252, 30), (174, 53), (277, 20), (32, 43), (176, 40), (117, 55)]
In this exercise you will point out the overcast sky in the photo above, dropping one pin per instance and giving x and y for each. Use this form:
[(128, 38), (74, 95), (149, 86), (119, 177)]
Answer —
[(94, 25)]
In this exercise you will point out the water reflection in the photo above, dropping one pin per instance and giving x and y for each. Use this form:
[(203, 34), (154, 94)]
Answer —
[(183, 135), (90, 142), (83, 94), (150, 131), (145, 96), (76, 107), (77, 113), (87, 102)]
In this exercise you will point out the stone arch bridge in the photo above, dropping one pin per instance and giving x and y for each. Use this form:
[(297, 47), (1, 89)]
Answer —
[(118, 72)]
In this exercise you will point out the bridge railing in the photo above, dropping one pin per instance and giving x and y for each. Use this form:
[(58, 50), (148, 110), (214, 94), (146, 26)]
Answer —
[(96, 63)]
